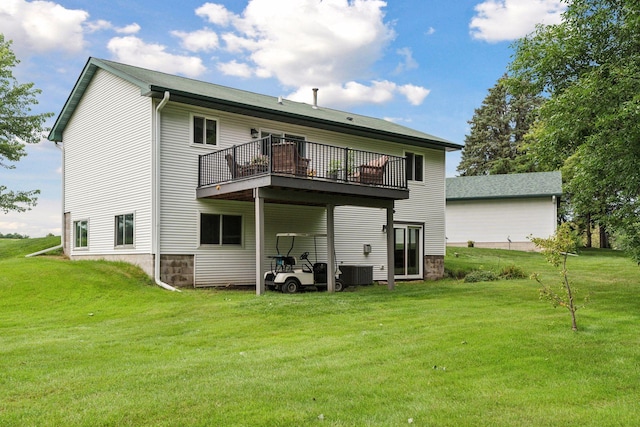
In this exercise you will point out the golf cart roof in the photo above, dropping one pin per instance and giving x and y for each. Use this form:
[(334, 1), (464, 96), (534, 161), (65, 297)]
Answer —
[(301, 235)]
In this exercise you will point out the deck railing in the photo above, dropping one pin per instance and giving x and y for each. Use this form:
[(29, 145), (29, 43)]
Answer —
[(302, 159)]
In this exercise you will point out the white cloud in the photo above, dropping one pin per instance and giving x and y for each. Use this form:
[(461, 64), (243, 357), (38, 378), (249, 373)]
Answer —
[(397, 119), (500, 20), (42, 26), (129, 29), (215, 13), (354, 93), (414, 94), (200, 40), (312, 43), (135, 51), (41, 220), (101, 24), (409, 63), (235, 68)]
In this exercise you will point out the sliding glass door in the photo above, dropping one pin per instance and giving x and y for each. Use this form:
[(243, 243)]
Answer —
[(407, 251)]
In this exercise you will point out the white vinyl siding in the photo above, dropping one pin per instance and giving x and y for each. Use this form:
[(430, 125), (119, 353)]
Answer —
[(427, 202), (495, 221), (356, 226), (224, 264), (107, 149), (180, 209)]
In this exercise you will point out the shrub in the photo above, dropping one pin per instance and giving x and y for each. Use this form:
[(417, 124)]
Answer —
[(481, 276), (512, 272), (456, 272)]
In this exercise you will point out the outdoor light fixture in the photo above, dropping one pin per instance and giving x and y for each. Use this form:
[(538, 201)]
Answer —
[(254, 133), (384, 228)]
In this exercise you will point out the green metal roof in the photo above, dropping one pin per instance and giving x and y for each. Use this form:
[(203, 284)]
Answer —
[(195, 92), (537, 184)]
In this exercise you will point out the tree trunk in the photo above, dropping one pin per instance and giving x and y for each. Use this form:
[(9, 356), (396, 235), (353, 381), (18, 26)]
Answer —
[(604, 238), (588, 243), (571, 306)]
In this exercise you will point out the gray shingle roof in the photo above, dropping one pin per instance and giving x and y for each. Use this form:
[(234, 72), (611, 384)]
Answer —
[(195, 92), (538, 184)]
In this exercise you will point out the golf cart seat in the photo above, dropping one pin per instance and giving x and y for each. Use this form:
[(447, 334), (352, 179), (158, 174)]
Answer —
[(283, 262), (320, 272)]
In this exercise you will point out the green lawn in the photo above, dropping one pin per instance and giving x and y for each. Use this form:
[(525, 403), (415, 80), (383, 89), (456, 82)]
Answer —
[(97, 344)]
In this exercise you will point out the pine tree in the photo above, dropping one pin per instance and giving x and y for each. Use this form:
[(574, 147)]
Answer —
[(495, 142)]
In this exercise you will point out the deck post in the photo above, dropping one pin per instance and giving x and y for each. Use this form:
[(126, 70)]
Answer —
[(390, 248), (259, 220), (331, 255)]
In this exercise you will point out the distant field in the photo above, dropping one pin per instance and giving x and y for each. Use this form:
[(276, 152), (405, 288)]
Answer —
[(98, 344)]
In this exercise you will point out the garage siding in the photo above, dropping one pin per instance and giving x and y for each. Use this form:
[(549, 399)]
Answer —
[(493, 221)]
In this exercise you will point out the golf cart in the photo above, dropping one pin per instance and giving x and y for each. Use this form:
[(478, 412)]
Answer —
[(287, 278)]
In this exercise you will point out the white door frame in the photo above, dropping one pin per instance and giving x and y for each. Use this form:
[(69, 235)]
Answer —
[(413, 229)]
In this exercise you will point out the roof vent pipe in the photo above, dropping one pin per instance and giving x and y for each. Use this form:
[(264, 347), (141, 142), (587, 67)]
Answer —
[(315, 97)]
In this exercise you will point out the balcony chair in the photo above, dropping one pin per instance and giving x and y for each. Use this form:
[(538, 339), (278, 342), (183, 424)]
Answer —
[(372, 172), (238, 171), (287, 160)]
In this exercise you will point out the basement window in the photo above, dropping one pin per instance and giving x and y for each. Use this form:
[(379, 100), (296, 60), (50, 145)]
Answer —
[(81, 234), (216, 229), (124, 230)]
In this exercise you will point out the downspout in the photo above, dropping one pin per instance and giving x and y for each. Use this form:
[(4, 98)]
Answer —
[(156, 203), (62, 232)]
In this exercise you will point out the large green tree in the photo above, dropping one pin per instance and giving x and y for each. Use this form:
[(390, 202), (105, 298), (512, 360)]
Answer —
[(589, 67), (18, 126), (494, 144)]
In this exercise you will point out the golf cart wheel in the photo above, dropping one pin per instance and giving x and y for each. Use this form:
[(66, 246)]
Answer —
[(290, 286), (339, 285)]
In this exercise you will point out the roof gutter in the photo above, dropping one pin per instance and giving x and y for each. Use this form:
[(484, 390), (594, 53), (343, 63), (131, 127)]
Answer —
[(261, 112), (503, 197), (156, 197)]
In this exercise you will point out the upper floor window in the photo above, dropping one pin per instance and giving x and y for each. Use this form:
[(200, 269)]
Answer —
[(124, 230), (218, 229), (414, 167), (81, 234), (205, 130)]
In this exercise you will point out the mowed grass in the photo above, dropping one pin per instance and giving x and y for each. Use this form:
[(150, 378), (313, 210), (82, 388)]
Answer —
[(97, 344)]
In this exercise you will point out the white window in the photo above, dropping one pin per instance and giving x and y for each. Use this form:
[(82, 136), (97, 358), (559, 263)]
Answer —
[(204, 130), (414, 167), (124, 230), (81, 234), (216, 229)]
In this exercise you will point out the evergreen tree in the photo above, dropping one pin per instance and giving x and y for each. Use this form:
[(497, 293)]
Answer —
[(495, 144), (588, 66)]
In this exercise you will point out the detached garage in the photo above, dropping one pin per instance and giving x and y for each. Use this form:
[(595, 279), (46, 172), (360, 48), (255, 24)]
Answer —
[(502, 211)]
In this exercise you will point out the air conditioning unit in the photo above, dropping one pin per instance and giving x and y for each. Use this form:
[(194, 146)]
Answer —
[(356, 274)]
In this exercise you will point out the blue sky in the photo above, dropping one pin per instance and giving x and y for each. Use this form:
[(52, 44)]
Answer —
[(426, 64)]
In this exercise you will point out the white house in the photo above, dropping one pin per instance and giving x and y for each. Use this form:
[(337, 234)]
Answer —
[(192, 180), (502, 211)]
